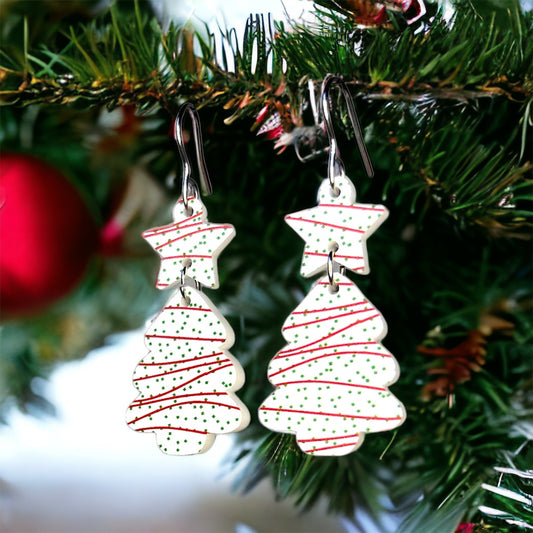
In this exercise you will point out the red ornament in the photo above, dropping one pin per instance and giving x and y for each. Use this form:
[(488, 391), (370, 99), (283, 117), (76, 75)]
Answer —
[(466, 528), (47, 235)]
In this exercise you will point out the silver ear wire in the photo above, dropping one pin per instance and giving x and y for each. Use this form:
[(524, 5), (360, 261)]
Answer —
[(335, 164), (310, 140), (188, 185)]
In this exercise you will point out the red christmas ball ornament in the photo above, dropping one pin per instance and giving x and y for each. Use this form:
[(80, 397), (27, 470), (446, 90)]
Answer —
[(47, 235)]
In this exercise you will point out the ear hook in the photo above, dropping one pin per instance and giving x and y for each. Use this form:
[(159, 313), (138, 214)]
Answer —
[(188, 185), (335, 165)]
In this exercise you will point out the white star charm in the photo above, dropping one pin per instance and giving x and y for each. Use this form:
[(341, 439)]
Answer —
[(336, 221), (190, 241)]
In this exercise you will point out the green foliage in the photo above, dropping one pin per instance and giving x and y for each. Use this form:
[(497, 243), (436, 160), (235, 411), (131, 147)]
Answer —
[(406, 59), (458, 160), (115, 62)]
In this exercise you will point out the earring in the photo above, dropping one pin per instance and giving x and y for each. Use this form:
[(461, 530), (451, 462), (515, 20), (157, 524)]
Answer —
[(331, 379), (187, 380)]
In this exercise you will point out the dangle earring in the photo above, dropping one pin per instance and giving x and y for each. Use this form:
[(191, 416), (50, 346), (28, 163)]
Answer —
[(331, 378), (187, 379)]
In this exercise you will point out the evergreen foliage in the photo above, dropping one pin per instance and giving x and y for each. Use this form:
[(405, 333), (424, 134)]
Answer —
[(446, 109)]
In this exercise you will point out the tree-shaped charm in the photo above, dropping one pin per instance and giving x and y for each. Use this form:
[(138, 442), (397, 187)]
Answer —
[(187, 378), (331, 379)]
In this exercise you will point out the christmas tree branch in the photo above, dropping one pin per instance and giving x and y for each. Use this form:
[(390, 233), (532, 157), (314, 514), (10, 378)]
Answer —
[(135, 62), (482, 183), (399, 71)]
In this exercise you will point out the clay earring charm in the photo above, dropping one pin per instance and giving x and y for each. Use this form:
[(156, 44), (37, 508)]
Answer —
[(187, 380), (331, 379)]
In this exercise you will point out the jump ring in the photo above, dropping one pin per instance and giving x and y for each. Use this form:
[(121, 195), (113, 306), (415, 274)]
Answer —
[(333, 287), (185, 299)]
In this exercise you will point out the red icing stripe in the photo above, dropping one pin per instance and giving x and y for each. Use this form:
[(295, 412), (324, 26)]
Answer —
[(330, 438), (322, 339), (147, 401), (189, 308), (221, 339), (189, 198), (185, 256), (151, 413), (345, 306), (306, 361), (334, 317), (340, 284), (336, 255), (358, 207), (169, 227), (321, 223), (287, 353), (314, 450), (180, 228), (182, 369), (331, 383), (153, 428), (213, 227), (319, 413), (180, 360), (170, 391), (349, 352)]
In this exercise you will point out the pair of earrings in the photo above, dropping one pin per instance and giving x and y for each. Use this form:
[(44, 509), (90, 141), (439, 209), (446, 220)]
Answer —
[(331, 378)]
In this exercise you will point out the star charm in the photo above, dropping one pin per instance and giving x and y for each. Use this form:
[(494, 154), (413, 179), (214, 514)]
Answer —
[(189, 241), (336, 222)]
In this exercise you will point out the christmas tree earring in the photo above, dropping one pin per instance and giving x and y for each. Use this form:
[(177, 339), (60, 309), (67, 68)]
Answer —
[(187, 380), (331, 379)]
